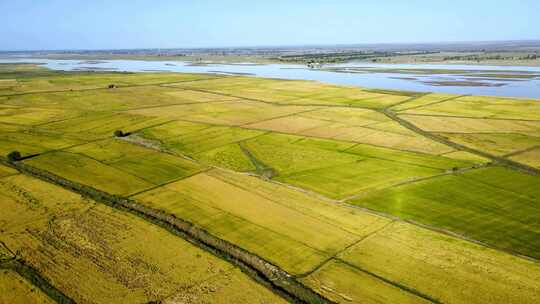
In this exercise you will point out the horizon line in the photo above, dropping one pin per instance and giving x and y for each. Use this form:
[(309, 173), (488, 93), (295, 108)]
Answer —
[(276, 46)]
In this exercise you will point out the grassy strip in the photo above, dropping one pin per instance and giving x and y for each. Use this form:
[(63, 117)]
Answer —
[(35, 278), (262, 169), (259, 269)]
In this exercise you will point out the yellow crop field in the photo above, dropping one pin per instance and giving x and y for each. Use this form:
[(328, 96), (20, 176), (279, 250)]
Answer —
[(16, 290), (232, 113), (5, 171), (496, 143), (297, 92), (32, 116), (471, 125), (466, 272), (289, 239), (486, 107), (530, 157), (97, 81), (117, 257), (291, 124), (102, 125), (360, 195), (114, 99), (28, 142), (345, 284), (349, 116), (462, 155)]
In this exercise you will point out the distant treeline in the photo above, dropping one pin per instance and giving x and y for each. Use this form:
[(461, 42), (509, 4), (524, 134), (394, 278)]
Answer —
[(342, 56), (480, 57)]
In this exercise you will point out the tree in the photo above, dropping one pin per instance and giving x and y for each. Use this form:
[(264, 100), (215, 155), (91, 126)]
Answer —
[(119, 133), (14, 156)]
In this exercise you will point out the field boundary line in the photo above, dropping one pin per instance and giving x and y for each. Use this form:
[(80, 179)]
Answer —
[(392, 283), (168, 183), (407, 100), (432, 103), (336, 255)]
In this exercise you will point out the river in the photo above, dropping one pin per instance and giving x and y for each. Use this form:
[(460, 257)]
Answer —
[(368, 75)]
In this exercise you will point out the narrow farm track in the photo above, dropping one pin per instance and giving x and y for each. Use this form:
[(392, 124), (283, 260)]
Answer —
[(442, 140), (262, 271), (427, 104)]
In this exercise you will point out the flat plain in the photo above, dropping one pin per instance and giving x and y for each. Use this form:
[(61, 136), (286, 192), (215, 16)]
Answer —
[(361, 196)]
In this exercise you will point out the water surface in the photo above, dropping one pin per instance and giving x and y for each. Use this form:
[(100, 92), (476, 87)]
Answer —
[(421, 82)]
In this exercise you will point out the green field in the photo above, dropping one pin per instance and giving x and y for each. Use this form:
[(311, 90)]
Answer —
[(363, 196), (493, 205)]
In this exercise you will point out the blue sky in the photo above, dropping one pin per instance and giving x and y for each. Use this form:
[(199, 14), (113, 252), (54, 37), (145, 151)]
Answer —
[(99, 24)]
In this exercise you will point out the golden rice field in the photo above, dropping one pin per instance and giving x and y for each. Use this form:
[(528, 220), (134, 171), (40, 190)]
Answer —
[(95, 254), (361, 196)]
